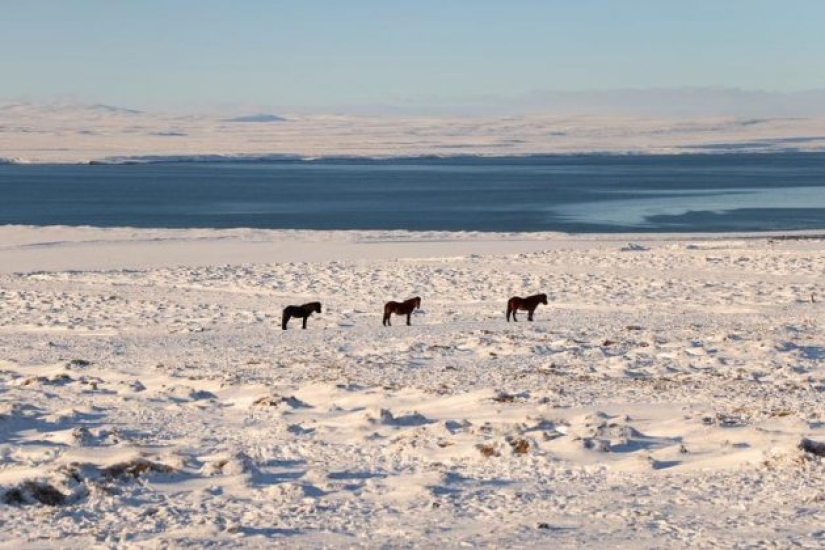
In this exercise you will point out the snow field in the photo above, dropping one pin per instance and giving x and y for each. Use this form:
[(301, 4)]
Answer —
[(658, 400)]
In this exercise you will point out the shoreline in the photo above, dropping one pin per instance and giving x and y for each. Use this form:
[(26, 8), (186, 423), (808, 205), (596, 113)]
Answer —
[(87, 248)]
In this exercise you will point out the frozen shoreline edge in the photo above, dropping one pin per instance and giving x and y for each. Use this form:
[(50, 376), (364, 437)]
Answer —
[(84, 248)]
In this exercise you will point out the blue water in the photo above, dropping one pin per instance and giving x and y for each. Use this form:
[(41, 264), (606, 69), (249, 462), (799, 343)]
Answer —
[(576, 193)]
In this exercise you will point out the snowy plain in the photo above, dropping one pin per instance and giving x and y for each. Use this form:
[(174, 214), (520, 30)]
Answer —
[(72, 133), (148, 396)]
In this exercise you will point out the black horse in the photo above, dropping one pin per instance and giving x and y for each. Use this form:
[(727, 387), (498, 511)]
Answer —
[(401, 308), (528, 304), (303, 312)]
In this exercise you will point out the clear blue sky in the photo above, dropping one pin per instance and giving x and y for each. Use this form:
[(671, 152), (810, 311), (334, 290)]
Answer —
[(301, 53)]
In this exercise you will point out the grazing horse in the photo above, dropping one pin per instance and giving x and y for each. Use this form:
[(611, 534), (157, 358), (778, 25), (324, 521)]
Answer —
[(303, 312), (401, 308), (528, 304)]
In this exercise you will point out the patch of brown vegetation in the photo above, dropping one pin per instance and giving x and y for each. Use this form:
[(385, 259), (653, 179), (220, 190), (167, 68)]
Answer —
[(277, 400), (267, 401), (520, 446), (488, 451), (135, 468), (31, 492)]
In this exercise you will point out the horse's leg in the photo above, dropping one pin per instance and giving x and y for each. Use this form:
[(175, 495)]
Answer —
[(408, 318), (284, 320), (386, 320), (530, 314), (515, 319), (508, 314), (304, 326)]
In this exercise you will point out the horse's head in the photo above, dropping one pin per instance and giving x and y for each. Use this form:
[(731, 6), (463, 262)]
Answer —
[(543, 298), (317, 307), (417, 302)]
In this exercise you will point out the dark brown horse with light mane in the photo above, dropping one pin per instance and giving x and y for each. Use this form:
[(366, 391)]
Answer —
[(401, 308), (302, 312), (529, 304)]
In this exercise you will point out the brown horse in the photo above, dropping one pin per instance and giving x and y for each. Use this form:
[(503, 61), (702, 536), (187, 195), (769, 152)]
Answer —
[(528, 304), (401, 308), (302, 312)]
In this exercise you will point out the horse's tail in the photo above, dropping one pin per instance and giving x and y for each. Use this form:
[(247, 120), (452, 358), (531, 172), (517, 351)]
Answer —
[(512, 307), (284, 319)]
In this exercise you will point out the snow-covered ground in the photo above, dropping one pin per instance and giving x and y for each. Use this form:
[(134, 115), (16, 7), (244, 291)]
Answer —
[(149, 396), (72, 133)]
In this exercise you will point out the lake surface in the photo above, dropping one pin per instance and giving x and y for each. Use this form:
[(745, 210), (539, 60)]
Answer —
[(572, 193)]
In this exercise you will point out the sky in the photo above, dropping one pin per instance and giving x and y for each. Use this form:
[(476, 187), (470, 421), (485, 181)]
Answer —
[(328, 53)]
